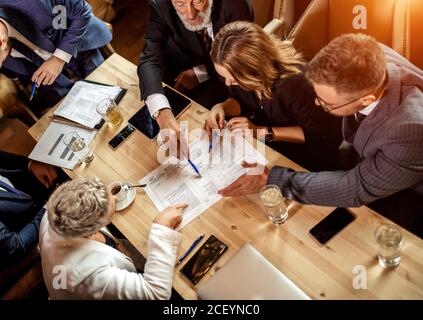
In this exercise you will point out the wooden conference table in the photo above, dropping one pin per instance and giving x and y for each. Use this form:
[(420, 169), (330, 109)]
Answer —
[(323, 272)]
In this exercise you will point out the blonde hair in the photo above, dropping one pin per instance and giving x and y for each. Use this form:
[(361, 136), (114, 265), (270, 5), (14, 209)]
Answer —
[(79, 208), (254, 58), (350, 63)]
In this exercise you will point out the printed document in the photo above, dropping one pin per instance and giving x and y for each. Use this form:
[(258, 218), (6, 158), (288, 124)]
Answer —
[(171, 184), (51, 148), (81, 102)]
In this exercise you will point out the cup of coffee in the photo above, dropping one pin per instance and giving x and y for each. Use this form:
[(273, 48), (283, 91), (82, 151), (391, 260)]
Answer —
[(118, 190)]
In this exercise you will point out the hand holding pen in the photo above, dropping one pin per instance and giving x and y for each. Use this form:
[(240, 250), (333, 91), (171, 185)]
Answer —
[(34, 86)]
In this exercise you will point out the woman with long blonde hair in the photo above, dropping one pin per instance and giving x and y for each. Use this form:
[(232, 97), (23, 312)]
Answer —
[(270, 92)]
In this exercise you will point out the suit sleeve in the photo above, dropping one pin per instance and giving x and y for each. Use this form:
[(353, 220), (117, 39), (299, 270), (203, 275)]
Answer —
[(397, 166), (153, 61), (10, 161), (156, 284), (15, 245), (78, 16)]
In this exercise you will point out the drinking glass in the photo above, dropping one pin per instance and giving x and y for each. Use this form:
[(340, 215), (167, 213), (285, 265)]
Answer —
[(110, 112), (274, 204), (389, 238), (78, 145)]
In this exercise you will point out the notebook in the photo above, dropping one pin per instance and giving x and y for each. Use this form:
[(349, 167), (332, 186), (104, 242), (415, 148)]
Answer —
[(249, 276), (79, 105)]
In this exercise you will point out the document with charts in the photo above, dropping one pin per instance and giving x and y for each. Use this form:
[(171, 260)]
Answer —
[(171, 184), (51, 148)]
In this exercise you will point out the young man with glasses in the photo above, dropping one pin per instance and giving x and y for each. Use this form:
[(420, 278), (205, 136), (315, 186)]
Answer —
[(379, 94)]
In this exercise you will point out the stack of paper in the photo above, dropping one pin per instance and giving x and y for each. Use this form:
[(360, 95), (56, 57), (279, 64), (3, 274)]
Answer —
[(51, 148), (81, 102), (171, 184)]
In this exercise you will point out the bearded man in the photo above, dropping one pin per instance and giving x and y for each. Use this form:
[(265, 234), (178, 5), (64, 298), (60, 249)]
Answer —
[(177, 44)]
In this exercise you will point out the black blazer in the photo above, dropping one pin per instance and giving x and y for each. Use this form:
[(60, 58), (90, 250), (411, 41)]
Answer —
[(20, 216), (168, 44), (292, 104)]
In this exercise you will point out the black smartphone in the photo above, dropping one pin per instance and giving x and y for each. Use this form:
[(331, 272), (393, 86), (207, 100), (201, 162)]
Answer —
[(203, 259), (143, 121), (332, 224), (121, 136)]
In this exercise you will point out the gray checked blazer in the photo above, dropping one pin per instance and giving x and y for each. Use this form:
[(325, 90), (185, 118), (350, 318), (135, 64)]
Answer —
[(389, 141)]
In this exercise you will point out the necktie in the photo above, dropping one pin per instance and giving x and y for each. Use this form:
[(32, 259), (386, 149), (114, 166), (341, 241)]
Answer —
[(206, 41), (359, 117)]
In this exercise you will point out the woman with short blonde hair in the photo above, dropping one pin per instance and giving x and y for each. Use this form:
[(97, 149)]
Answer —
[(269, 91), (77, 249)]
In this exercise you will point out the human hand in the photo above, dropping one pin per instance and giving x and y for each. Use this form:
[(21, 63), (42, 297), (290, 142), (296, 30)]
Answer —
[(215, 119), (47, 73), (186, 81), (44, 173), (171, 217), (249, 183)]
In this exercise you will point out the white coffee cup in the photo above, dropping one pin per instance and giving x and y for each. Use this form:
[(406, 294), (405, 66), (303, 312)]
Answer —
[(118, 190)]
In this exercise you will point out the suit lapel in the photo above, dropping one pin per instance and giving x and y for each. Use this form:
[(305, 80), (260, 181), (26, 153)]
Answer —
[(383, 111)]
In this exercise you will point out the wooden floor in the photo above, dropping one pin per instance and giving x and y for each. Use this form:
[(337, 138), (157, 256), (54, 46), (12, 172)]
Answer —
[(128, 28)]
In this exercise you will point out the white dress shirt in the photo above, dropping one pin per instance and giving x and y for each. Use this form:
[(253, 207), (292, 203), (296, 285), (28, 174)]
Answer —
[(7, 181), (367, 110), (158, 101), (13, 33), (90, 269)]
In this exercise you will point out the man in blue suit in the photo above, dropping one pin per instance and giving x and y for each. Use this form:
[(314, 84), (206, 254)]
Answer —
[(24, 188), (41, 40)]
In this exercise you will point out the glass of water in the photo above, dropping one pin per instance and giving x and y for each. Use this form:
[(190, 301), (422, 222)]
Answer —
[(78, 145), (274, 204), (389, 238)]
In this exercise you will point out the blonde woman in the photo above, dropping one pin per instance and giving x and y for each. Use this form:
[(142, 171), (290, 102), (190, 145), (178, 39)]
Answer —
[(80, 259), (270, 92)]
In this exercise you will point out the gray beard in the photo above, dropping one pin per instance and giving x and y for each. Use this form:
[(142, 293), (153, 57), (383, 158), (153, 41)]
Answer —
[(206, 18)]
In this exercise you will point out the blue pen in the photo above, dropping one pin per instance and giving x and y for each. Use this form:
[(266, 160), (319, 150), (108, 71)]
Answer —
[(195, 168), (33, 91), (194, 244)]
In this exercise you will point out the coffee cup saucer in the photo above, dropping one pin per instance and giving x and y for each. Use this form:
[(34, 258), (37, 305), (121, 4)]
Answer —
[(130, 197)]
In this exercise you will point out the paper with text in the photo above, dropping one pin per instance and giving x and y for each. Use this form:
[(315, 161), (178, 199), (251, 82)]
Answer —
[(81, 102), (171, 184)]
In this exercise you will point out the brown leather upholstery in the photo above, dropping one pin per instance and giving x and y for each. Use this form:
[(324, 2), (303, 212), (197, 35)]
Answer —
[(393, 22), (103, 9)]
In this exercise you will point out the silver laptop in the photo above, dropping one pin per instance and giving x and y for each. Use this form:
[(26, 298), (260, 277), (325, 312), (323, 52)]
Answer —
[(249, 276)]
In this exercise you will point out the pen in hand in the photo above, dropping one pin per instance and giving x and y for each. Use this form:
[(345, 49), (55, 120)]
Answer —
[(195, 168), (194, 244), (34, 86)]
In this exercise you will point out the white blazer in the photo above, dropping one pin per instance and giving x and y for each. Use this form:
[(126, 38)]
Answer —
[(87, 269)]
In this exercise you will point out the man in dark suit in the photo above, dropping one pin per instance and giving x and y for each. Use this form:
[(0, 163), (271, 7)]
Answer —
[(177, 48), (379, 94), (24, 188), (40, 40)]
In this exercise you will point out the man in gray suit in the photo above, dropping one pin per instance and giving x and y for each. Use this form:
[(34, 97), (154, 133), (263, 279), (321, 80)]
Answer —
[(379, 94)]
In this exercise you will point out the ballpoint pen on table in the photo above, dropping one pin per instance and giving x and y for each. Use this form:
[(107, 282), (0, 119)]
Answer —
[(195, 168), (194, 244), (34, 86)]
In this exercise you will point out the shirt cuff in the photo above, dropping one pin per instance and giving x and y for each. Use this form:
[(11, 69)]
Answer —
[(164, 233), (201, 73), (62, 55), (156, 102)]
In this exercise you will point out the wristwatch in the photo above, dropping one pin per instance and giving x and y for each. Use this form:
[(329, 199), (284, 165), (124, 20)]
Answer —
[(270, 135)]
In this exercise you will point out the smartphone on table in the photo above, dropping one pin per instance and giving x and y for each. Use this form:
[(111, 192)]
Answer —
[(121, 136), (202, 261), (332, 224), (145, 123)]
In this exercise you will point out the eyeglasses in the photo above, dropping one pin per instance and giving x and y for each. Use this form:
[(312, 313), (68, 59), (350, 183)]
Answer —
[(329, 107)]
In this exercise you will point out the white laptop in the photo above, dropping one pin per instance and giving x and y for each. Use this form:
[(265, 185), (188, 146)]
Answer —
[(249, 276)]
